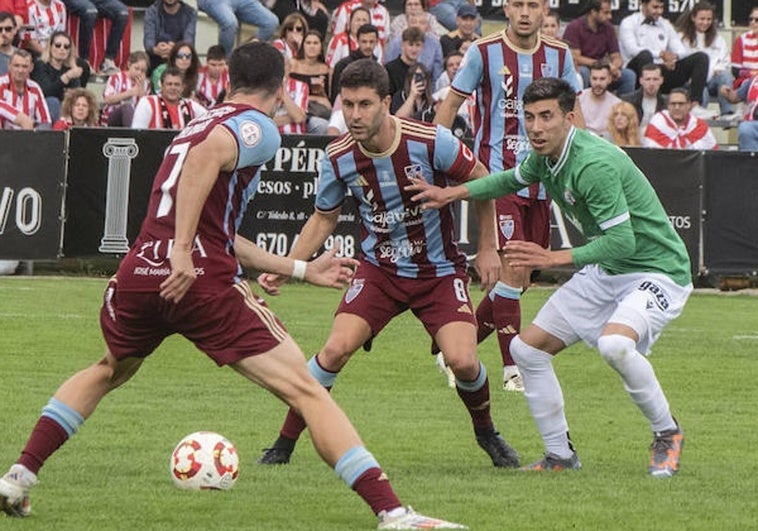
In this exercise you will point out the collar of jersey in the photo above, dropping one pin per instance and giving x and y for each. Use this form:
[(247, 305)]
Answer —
[(561, 162), (390, 150)]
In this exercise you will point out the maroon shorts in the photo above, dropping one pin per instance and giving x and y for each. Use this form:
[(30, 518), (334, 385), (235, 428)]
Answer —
[(377, 297), (228, 326), (522, 218)]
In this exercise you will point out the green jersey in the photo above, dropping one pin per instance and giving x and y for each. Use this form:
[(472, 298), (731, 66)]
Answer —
[(608, 199)]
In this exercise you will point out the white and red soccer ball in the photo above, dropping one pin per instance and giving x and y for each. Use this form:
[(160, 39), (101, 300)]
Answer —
[(204, 460)]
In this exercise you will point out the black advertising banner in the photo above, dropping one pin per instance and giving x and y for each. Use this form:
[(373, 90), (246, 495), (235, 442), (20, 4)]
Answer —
[(730, 238), (32, 177), (109, 179), (677, 178)]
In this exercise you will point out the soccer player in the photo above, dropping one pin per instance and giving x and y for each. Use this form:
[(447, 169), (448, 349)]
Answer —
[(634, 276), (498, 68), (409, 259), (182, 276)]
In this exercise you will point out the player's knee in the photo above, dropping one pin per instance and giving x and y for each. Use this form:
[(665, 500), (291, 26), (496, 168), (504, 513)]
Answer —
[(463, 363), (615, 348), (335, 354), (520, 352)]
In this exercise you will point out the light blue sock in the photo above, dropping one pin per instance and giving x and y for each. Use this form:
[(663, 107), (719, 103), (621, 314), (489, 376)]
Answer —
[(476, 384), (68, 419), (354, 463), (324, 377), (502, 289)]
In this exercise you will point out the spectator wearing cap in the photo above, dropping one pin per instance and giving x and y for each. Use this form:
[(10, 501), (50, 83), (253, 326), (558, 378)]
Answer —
[(446, 12), (465, 31)]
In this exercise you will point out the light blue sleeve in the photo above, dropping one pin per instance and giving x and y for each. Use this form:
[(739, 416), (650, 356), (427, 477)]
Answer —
[(569, 73), (331, 192), (446, 149), (257, 137), (469, 75)]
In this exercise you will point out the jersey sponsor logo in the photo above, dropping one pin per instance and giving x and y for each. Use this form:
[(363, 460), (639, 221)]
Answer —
[(385, 221), (250, 132), (516, 143), (509, 107), (403, 249), (355, 288), (659, 295), (414, 170), (156, 253), (507, 226)]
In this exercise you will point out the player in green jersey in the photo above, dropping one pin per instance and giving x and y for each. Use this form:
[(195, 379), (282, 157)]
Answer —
[(634, 274)]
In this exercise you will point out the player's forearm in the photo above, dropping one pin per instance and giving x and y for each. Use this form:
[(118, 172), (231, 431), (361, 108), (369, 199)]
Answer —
[(251, 256), (485, 212), (616, 242), (191, 193), (493, 186), (445, 114), (313, 235)]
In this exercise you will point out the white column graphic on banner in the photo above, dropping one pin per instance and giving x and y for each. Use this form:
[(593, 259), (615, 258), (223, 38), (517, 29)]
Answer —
[(119, 152)]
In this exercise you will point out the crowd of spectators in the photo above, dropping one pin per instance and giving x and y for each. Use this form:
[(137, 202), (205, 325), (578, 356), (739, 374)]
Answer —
[(629, 76)]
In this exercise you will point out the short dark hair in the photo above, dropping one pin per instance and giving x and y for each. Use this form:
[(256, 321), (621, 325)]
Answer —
[(4, 15), (596, 5), (551, 88), (681, 90), (413, 34), (651, 66), (366, 73), (256, 67), (600, 65), (367, 28), (172, 71), (456, 53), (215, 53)]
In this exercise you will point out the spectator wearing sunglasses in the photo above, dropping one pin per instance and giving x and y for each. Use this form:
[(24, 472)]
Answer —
[(57, 71), (185, 58), (166, 23), (8, 30), (291, 35)]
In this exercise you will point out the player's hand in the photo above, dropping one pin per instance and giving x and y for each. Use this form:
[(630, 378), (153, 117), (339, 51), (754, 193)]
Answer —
[(270, 282), (521, 253), (429, 195), (182, 275), (330, 271), (488, 266)]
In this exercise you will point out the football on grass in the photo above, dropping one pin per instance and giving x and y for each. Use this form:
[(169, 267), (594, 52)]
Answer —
[(204, 460)]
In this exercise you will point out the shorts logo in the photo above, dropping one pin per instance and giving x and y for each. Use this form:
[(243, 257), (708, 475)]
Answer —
[(464, 309), (507, 226), (250, 132), (355, 288), (660, 298), (414, 170)]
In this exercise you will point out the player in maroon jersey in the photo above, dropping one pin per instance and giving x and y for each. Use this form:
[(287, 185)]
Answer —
[(183, 275)]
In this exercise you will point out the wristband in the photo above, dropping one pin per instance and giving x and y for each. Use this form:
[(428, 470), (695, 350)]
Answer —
[(298, 270)]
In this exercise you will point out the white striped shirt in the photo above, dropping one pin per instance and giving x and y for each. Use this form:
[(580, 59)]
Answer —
[(45, 19), (31, 102)]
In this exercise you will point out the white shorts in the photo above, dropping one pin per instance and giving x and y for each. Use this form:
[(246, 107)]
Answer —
[(592, 298)]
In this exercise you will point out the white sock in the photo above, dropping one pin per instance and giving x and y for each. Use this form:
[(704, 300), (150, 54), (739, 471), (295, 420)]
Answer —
[(639, 379), (544, 396)]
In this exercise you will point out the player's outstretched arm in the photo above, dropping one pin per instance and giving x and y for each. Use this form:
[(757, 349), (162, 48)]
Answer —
[(315, 232), (431, 196)]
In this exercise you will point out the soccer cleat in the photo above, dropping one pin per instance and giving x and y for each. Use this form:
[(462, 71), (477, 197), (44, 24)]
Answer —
[(14, 491), (410, 519), (513, 382), (665, 452), (500, 452), (275, 456), (444, 369), (554, 463)]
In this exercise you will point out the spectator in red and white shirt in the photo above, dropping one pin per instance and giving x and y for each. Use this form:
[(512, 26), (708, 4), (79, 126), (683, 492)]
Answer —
[(17, 90), (342, 45), (380, 17), (167, 110), (291, 35), (213, 79), (13, 117), (45, 17), (123, 91), (745, 52), (677, 128), (290, 117)]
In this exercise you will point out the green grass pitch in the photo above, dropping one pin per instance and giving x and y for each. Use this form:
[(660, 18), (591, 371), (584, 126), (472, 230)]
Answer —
[(114, 473)]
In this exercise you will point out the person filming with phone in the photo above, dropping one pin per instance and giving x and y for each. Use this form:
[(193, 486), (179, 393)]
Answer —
[(415, 100)]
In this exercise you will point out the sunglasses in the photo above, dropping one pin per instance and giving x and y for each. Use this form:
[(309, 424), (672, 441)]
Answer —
[(61, 45), (6, 29), (184, 56), (753, 19), (297, 29)]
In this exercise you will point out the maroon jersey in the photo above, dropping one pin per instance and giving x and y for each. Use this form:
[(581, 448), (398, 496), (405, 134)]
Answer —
[(147, 265)]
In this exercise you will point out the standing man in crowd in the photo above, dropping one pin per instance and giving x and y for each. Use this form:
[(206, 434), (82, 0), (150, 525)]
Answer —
[(197, 202), (408, 260), (166, 23), (677, 128), (634, 278), (646, 37), (592, 38), (88, 11), (228, 14), (167, 110), (20, 92), (498, 68)]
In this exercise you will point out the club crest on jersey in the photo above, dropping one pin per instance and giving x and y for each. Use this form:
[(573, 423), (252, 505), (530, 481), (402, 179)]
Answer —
[(507, 226), (250, 133), (355, 288), (414, 170), (547, 70), (568, 197)]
